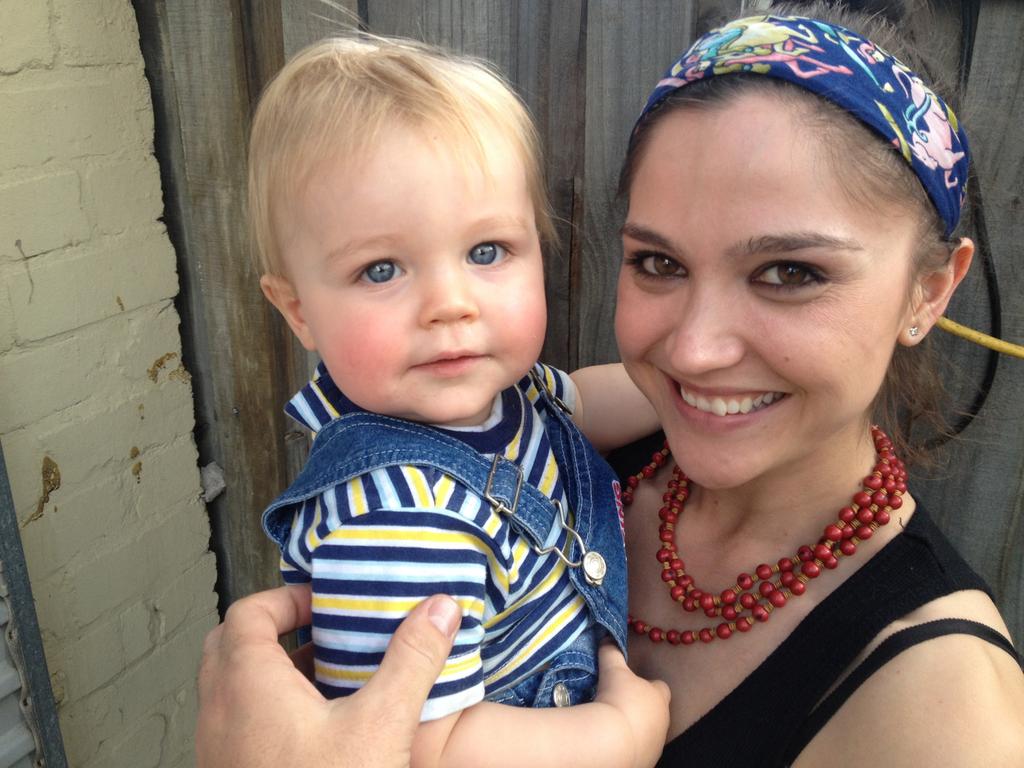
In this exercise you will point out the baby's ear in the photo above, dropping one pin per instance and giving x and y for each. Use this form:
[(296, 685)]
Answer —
[(935, 289), (282, 295)]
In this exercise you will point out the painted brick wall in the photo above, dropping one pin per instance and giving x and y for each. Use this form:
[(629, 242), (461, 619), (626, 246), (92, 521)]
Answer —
[(95, 407)]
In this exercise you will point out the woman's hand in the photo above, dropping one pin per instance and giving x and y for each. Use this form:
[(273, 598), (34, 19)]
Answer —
[(258, 710)]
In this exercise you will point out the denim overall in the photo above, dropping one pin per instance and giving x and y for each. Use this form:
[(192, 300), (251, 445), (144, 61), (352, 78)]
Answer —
[(592, 546)]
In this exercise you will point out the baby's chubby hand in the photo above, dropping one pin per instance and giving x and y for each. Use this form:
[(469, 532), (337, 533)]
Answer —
[(642, 707)]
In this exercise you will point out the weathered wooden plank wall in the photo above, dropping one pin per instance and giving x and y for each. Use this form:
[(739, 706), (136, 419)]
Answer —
[(584, 68)]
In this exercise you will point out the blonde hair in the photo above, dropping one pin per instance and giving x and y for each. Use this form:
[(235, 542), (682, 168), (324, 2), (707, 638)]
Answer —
[(336, 97)]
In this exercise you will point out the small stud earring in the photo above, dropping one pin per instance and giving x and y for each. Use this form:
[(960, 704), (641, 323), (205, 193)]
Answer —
[(914, 331)]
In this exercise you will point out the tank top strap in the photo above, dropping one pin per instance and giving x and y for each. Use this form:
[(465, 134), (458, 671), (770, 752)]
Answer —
[(887, 650)]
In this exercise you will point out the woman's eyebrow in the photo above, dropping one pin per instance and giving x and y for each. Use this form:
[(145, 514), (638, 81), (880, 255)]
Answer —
[(792, 241), (786, 242), (645, 235)]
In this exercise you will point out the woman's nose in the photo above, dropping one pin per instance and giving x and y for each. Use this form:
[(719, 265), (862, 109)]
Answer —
[(708, 333)]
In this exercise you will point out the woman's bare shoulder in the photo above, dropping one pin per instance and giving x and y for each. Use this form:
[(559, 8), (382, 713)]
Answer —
[(955, 699)]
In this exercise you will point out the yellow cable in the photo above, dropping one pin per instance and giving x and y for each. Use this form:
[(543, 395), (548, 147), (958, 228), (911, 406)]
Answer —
[(989, 342)]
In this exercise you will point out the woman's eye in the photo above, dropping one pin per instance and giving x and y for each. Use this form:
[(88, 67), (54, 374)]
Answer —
[(657, 265), (486, 253), (381, 271), (788, 275)]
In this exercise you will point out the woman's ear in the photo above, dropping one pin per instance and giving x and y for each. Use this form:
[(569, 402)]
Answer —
[(933, 292), (281, 293)]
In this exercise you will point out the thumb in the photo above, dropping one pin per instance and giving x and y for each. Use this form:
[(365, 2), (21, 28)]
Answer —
[(415, 657)]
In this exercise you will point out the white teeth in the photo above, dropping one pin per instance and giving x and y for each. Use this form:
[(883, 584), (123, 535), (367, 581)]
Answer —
[(721, 406)]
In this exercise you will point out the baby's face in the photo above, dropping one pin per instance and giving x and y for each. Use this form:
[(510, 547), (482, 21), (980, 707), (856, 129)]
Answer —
[(417, 277)]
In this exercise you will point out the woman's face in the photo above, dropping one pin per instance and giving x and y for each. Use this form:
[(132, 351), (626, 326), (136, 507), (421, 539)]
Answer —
[(758, 304)]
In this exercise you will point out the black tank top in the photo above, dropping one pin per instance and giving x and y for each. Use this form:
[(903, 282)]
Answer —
[(771, 716)]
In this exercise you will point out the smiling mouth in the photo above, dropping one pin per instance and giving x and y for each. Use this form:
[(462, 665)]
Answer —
[(730, 406)]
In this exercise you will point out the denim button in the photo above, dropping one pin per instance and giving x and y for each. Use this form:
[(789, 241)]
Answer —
[(561, 695), (594, 568)]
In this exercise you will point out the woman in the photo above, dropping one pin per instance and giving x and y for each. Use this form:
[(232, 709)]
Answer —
[(777, 251), (781, 265)]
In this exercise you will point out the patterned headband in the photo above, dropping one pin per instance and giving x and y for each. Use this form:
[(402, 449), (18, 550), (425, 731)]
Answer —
[(851, 72)]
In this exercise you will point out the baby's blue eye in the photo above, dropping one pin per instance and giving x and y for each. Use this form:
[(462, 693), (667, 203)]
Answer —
[(486, 253), (381, 271)]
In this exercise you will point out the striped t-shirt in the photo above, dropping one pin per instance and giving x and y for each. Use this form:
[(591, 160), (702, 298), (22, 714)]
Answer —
[(377, 545)]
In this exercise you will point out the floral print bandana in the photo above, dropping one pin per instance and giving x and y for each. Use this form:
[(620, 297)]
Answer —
[(852, 72)]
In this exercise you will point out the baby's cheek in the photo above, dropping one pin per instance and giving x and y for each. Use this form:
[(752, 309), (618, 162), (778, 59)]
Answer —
[(360, 357), (533, 320)]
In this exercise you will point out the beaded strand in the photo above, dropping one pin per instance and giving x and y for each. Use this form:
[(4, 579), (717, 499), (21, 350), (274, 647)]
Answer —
[(753, 597)]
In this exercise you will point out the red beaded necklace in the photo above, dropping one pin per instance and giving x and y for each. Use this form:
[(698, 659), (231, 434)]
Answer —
[(741, 605)]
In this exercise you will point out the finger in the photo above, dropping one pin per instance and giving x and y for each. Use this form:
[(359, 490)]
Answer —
[(415, 657), (266, 615), (610, 658)]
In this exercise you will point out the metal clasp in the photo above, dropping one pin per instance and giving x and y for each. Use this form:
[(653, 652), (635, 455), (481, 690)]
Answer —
[(593, 564), (542, 387), (497, 504)]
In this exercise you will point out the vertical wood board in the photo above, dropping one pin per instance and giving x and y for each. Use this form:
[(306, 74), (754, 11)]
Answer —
[(303, 22), (475, 27)]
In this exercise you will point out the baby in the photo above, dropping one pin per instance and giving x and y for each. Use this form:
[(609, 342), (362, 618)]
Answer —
[(398, 211)]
